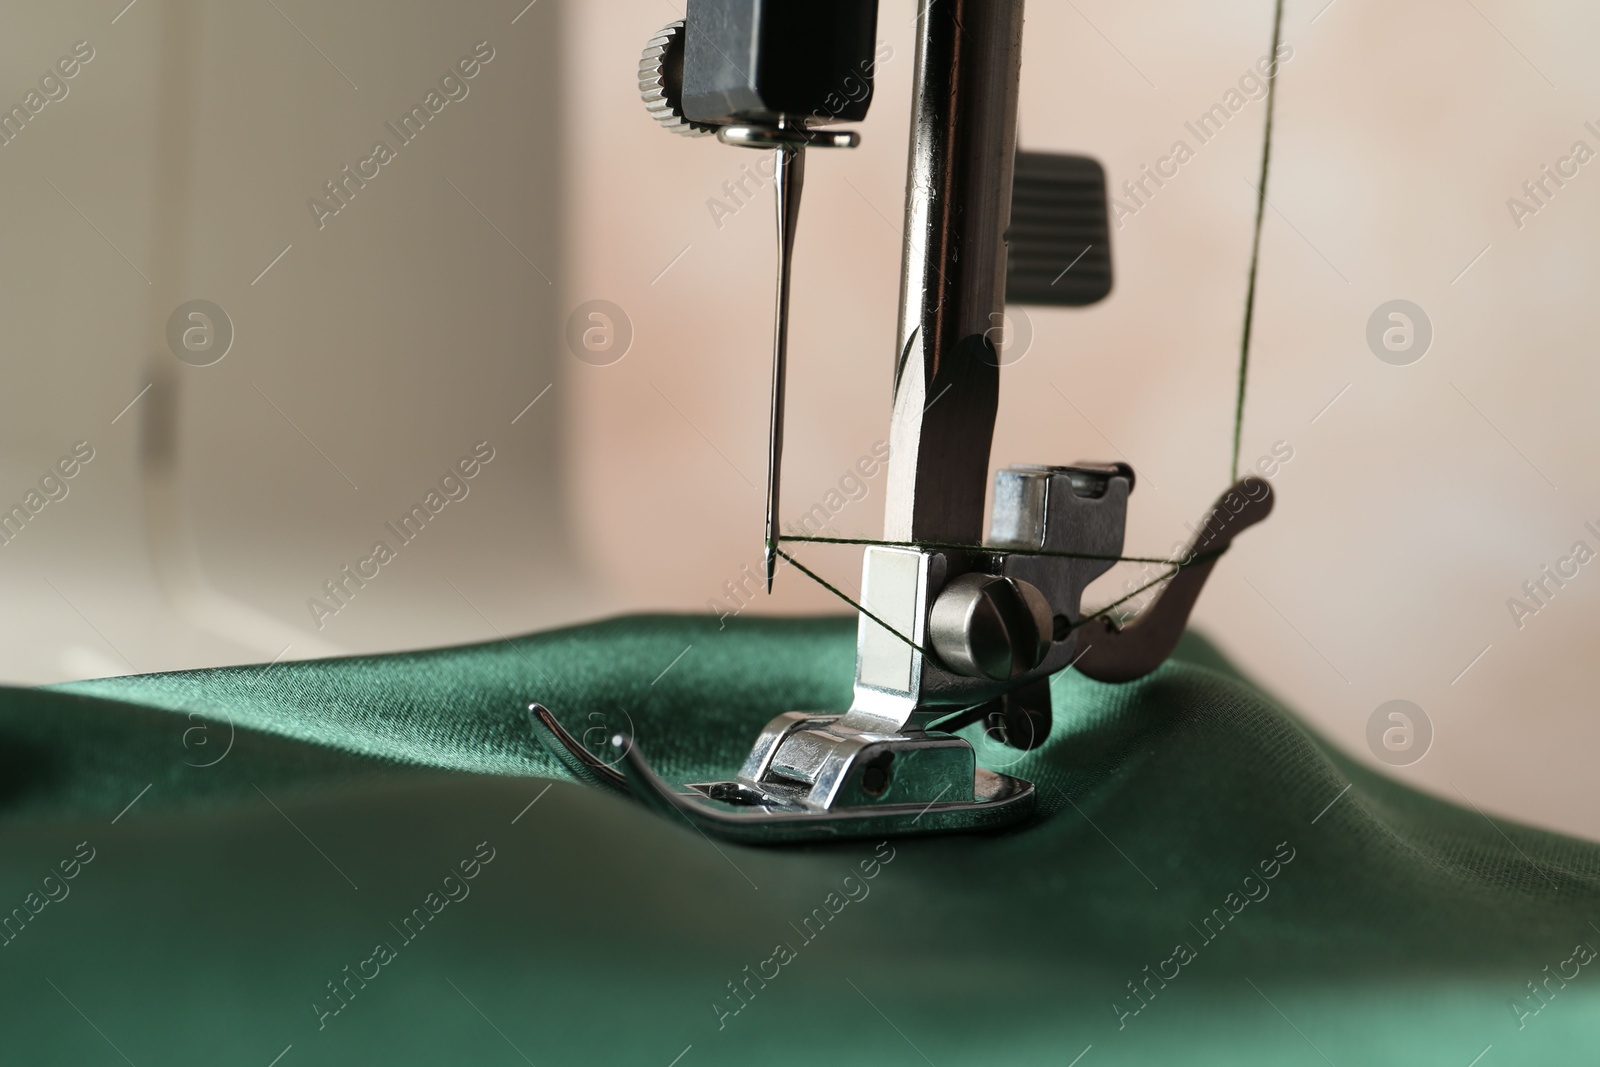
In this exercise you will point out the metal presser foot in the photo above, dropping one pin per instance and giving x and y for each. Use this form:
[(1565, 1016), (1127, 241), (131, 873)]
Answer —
[(954, 632)]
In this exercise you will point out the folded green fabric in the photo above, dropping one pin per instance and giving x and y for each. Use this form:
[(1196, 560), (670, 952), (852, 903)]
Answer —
[(355, 861)]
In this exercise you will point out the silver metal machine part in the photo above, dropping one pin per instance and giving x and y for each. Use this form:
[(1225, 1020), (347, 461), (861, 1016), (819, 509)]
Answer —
[(989, 626), (661, 82), (951, 635), (789, 175)]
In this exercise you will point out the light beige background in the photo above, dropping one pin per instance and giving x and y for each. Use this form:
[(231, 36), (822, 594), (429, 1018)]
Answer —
[(418, 322)]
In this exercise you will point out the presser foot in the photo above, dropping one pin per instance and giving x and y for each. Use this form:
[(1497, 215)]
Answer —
[(866, 784)]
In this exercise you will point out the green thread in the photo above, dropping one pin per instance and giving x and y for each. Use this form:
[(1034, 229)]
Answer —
[(1255, 247), (1204, 557), (958, 547), (1089, 617), (842, 595), (1105, 612)]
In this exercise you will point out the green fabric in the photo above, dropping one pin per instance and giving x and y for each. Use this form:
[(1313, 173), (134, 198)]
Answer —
[(216, 909)]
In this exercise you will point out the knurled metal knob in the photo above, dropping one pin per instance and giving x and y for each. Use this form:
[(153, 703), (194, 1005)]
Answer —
[(661, 82), (987, 626)]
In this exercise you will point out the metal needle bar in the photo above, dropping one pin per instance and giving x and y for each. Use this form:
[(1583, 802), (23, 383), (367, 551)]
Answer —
[(788, 179)]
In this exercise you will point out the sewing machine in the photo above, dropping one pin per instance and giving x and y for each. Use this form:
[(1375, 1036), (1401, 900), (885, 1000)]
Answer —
[(954, 629)]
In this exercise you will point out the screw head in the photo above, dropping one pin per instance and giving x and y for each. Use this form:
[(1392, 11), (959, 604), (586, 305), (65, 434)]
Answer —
[(661, 82), (987, 626)]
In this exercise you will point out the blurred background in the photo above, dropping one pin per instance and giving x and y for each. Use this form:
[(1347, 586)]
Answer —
[(360, 336)]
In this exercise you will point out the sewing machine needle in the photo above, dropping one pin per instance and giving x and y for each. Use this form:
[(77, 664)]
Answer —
[(788, 179)]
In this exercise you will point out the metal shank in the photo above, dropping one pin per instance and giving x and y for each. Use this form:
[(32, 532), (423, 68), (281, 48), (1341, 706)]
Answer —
[(952, 289)]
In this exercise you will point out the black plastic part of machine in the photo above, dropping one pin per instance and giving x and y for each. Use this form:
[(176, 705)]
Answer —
[(761, 61)]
